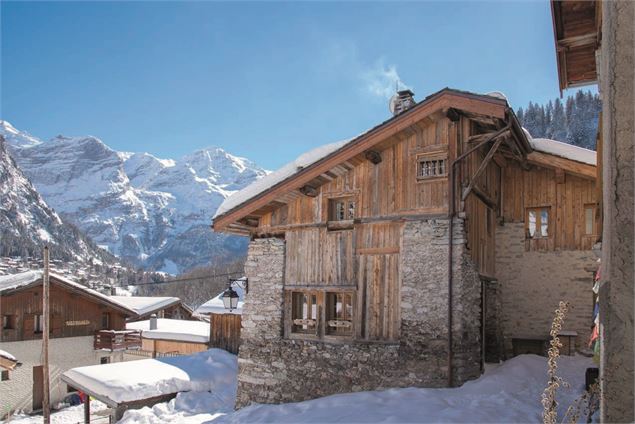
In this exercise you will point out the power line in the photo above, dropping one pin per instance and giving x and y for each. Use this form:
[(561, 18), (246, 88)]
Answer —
[(178, 280)]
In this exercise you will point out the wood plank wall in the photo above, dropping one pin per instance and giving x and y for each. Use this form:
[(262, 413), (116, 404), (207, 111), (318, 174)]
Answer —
[(225, 331)]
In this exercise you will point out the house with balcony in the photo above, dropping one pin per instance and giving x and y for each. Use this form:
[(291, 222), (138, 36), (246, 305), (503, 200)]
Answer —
[(86, 328)]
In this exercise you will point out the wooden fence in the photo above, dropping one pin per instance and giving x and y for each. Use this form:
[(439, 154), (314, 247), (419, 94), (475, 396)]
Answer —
[(225, 331)]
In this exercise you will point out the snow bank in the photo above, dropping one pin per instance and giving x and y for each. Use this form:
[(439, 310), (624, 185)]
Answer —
[(211, 371), (506, 393), (144, 304), (216, 305), (69, 415), (568, 151), (186, 408), (173, 329)]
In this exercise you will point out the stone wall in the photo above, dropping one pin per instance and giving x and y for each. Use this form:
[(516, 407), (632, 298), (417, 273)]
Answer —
[(273, 369), (617, 83), (532, 284), (494, 345)]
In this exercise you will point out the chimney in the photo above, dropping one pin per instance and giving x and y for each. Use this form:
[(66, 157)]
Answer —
[(153, 322), (402, 101)]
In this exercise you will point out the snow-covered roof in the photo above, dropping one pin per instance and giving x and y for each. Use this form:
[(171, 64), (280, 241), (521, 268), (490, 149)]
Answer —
[(567, 151), (24, 279), (144, 305), (213, 370), (173, 329), (275, 177), (216, 306), (7, 355)]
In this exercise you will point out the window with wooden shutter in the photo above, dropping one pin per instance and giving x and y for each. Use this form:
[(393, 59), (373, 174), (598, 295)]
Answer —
[(8, 322), (339, 314), (317, 314), (432, 166), (304, 312), (39, 324)]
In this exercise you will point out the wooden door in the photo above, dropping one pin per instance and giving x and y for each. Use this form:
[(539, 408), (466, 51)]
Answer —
[(38, 386)]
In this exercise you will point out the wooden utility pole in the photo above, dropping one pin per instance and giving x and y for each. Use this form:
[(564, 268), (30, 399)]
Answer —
[(46, 406)]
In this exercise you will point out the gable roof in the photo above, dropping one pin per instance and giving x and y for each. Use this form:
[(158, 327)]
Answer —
[(143, 305), (28, 279), (310, 165), (564, 150)]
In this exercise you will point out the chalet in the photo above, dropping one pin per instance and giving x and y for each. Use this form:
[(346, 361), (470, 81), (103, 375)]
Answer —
[(364, 253), (162, 307), (86, 328)]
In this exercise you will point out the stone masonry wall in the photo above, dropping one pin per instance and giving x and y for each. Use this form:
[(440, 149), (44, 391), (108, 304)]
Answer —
[(273, 369), (532, 284)]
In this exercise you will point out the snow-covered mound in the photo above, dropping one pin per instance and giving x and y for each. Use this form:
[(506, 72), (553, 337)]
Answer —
[(150, 211)]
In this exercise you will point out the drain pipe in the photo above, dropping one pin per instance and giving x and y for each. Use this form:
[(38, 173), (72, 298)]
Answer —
[(452, 212)]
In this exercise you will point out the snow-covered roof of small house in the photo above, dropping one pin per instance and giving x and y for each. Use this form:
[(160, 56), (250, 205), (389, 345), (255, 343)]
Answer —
[(144, 305), (564, 150), (216, 306), (173, 329), (213, 370), (27, 279), (7, 361)]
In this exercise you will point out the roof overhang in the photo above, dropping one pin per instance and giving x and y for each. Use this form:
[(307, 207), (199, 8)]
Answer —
[(465, 102), (8, 364), (579, 169), (577, 35)]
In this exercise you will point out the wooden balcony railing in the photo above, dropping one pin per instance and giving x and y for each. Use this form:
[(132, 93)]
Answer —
[(117, 340)]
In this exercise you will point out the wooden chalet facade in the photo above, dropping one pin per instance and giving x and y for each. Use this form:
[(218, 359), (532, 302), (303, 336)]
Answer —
[(86, 328), (363, 253)]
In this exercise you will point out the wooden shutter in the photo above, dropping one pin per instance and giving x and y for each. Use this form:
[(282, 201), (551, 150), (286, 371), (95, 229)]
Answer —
[(28, 327)]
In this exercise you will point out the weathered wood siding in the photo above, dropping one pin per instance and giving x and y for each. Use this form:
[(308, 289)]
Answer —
[(72, 315), (225, 332), (539, 187)]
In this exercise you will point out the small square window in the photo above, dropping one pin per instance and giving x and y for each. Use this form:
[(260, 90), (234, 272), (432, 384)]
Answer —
[(8, 322), (537, 222), (104, 360), (304, 311), (342, 209), (430, 167), (4, 376)]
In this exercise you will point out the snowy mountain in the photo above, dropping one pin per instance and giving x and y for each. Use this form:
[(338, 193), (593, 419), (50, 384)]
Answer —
[(27, 223), (153, 212)]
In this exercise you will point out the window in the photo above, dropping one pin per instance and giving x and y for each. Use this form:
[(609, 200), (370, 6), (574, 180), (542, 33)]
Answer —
[(339, 314), (431, 166), (105, 320), (537, 222), (342, 209), (4, 376), (307, 317), (104, 360), (304, 311), (8, 322), (590, 227), (39, 324)]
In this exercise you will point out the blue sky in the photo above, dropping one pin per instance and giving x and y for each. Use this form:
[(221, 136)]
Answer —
[(264, 80)]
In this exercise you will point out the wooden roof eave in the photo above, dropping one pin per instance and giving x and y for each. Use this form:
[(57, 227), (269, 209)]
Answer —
[(442, 100), (579, 169)]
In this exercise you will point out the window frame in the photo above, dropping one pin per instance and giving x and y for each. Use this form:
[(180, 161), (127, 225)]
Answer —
[(347, 201), (538, 211), (38, 324), (108, 321), (594, 222), (321, 333), (8, 322), (430, 157)]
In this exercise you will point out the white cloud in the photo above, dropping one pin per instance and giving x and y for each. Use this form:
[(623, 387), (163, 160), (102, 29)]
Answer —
[(383, 81)]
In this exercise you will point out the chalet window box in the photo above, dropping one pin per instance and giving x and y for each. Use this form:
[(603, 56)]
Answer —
[(340, 225)]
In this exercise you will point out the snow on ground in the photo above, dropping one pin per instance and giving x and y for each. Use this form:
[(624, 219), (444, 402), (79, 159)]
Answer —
[(506, 393), (70, 415), (173, 329), (212, 370)]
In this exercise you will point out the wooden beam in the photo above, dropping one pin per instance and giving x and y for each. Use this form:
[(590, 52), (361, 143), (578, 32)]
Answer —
[(579, 169), (309, 191), (373, 156), (484, 197), (482, 167)]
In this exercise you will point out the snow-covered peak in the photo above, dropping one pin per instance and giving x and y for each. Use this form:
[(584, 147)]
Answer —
[(16, 138)]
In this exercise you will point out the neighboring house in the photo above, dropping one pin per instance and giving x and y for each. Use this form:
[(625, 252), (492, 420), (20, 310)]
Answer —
[(84, 326), (8, 362), (162, 307), (352, 281), (594, 43), (172, 336)]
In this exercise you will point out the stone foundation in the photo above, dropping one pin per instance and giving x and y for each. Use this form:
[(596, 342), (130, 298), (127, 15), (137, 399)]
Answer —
[(273, 369), (532, 284)]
